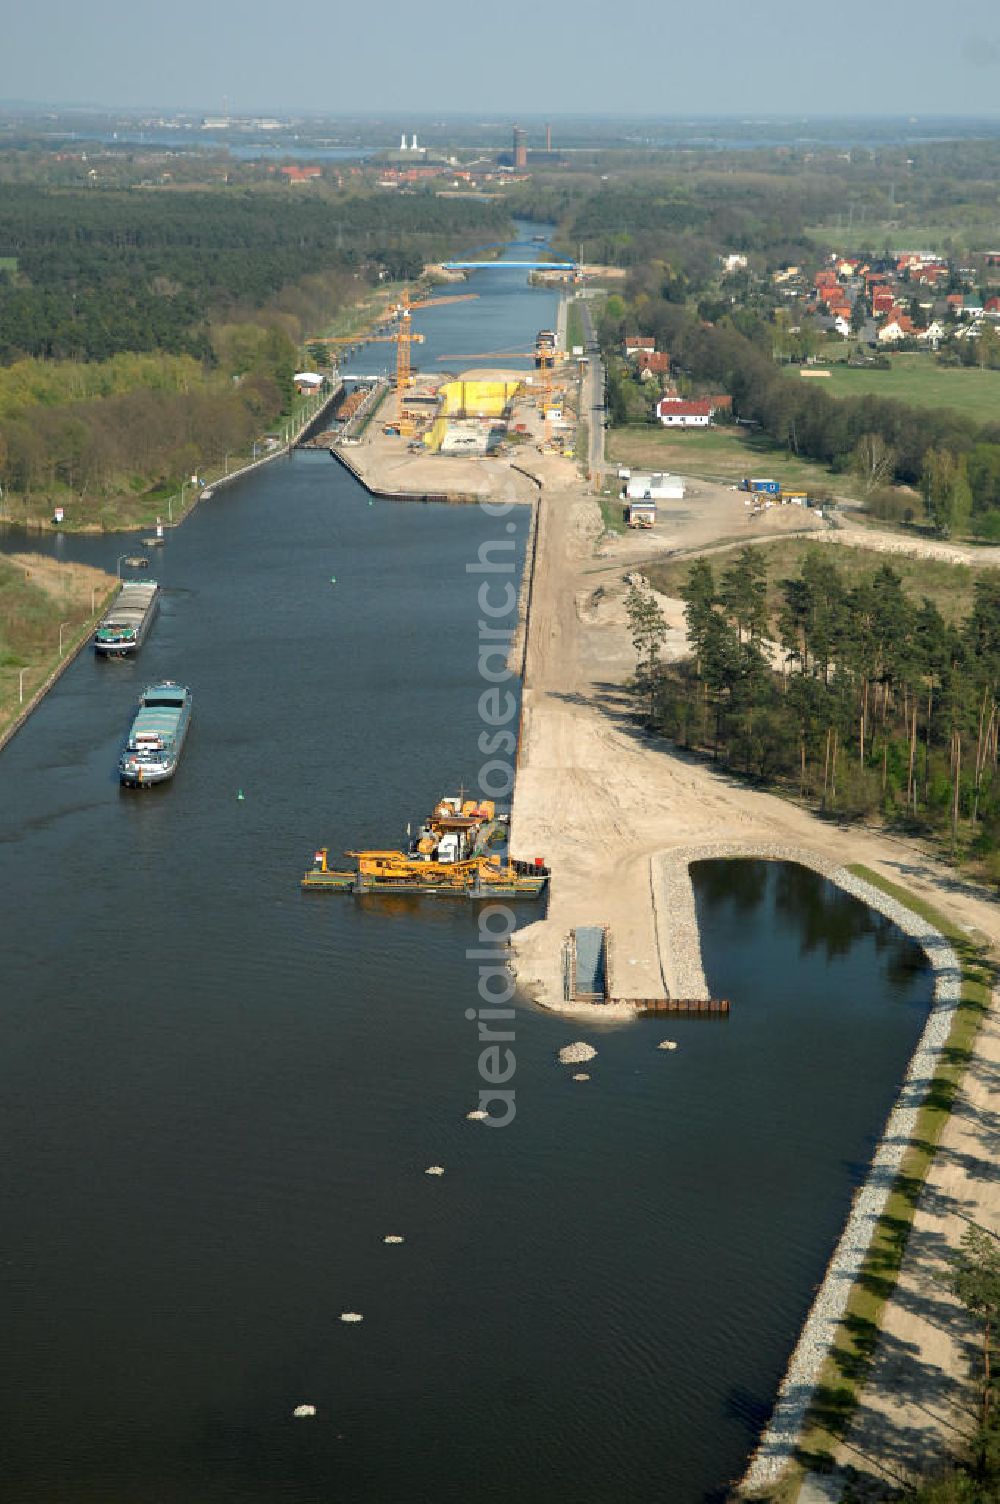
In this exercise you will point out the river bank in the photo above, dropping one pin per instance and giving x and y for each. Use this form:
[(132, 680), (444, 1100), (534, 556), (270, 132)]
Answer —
[(49, 610), (609, 808)]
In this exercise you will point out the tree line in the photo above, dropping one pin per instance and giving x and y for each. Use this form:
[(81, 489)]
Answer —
[(856, 696), (99, 272), (178, 319)]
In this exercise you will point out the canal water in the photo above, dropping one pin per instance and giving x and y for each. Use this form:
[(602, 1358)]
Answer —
[(496, 327), (219, 1094)]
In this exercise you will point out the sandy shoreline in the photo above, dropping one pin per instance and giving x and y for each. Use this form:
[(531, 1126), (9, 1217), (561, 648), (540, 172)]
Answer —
[(617, 816)]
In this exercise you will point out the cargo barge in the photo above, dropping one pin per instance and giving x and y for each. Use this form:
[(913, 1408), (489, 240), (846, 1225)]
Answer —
[(122, 631), (449, 856), (156, 739)]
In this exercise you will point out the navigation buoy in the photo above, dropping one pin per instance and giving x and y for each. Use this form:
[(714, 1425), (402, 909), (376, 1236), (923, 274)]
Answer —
[(302, 1411), (239, 794), (333, 579)]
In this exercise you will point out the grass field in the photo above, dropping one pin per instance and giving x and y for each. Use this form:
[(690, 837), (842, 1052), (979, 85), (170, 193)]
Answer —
[(574, 325), (949, 586), (907, 237), (38, 595), (720, 454), (920, 381)]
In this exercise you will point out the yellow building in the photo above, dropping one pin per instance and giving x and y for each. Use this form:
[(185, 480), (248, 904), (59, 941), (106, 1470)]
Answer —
[(470, 399)]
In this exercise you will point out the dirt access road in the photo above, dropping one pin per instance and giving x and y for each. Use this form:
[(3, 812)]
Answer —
[(598, 800)]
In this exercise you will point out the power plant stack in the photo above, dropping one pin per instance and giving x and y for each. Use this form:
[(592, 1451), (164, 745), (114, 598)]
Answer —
[(520, 148), (548, 138)]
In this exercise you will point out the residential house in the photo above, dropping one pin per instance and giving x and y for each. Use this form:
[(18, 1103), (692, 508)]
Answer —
[(896, 327), (300, 174), (931, 275), (653, 363), (633, 343), (679, 412)]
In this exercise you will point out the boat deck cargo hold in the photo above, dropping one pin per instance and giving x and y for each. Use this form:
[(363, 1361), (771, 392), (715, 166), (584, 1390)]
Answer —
[(123, 628), (449, 855)]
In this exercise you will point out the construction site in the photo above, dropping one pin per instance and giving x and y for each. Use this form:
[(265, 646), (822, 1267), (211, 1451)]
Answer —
[(448, 433)]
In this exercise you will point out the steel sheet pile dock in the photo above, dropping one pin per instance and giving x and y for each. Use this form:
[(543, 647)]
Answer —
[(450, 856)]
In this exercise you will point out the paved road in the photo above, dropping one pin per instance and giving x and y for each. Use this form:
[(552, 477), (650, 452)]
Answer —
[(593, 403)]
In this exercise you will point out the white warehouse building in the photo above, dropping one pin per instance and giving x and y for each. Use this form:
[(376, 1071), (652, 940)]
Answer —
[(656, 487)]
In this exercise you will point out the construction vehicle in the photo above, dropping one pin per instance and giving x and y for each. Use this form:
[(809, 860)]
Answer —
[(448, 856)]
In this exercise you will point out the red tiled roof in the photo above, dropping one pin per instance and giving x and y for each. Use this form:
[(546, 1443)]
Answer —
[(654, 360), (686, 408)]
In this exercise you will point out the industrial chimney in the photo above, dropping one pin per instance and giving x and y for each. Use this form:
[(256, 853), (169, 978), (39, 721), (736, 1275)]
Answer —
[(520, 148)]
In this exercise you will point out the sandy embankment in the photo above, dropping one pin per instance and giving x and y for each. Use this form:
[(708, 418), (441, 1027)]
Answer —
[(600, 801), (598, 798)]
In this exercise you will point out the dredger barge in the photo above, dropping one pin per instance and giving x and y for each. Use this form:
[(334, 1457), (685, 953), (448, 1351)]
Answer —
[(449, 856)]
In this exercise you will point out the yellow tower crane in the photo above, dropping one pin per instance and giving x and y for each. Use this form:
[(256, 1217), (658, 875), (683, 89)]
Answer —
[(403, 336), (546, 360)]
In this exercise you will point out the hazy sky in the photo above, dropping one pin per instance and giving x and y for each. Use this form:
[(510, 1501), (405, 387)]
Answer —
[(741, 57)]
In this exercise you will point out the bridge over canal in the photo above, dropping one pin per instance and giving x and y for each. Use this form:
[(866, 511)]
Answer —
[(530, 266)]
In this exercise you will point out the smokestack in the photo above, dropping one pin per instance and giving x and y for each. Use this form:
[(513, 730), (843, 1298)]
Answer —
[(548, 138), (413, 143), (402, 142), (520, 157)]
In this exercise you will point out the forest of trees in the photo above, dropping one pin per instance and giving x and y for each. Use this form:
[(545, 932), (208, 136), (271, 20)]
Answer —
[(101, 272), (144, 335), (855, 696)]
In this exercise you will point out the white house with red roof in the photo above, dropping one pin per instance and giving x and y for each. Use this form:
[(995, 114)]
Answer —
[(683, 412)]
